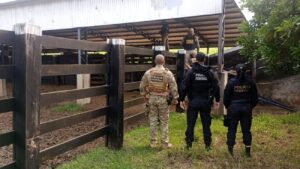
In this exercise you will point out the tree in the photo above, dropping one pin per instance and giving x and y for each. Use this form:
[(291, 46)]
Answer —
[(273, 34)]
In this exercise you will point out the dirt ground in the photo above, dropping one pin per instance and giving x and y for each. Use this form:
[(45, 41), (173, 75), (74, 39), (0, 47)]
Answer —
[(61, 135)]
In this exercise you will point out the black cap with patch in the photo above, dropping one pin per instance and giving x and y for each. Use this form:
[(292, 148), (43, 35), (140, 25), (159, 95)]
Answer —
[(240, 70), (240, 67)]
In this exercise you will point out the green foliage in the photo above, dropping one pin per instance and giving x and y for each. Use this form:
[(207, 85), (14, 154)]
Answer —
[(275, 145), (68, 107), (273, 34)]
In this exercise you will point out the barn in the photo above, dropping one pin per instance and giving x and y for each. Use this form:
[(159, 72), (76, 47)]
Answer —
[(73, 41)]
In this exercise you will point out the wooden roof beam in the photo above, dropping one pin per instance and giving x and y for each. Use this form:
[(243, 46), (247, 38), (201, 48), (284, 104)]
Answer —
[(97, 33), (138, 31)]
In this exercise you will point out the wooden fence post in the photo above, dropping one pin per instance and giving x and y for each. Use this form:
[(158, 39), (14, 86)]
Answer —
[(27, 81), (115, 116), (180, 73)]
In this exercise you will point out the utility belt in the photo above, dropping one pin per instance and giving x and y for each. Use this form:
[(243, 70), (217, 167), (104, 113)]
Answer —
[(240, 102), (164, 94), (201, 97)]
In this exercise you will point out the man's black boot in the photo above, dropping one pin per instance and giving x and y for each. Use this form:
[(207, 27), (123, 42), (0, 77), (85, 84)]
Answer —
[(188, 145), (230, 150), (207, 147), (248, 150)]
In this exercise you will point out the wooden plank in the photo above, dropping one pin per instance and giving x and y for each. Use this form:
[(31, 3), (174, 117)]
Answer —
[(133, 102), (6, 105), (27, 83), (68, 69), (11, 165), (171, 67), (7, 37), (138, 51), (7, 138), (137, 68), (72, 143), (134, 118), (131, 86), (50, 42), (71, 120), (169, 54), (6, 71), (116, 94), (59, 96)]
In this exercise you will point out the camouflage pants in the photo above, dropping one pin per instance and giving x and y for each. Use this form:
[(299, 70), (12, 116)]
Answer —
[(158, 114)]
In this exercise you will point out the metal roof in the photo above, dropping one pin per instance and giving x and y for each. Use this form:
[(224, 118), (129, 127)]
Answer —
[(145, 34), (61, 14), (137, 21)]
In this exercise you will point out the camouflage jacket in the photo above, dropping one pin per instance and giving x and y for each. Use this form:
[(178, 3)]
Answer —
[(158, 81)]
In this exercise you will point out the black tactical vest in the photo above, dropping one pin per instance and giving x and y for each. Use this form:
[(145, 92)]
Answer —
[(201, 83), (241, 90), (189, 42)]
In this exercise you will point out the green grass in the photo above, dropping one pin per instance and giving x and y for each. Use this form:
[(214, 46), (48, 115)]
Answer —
[(68, 107), (276, 144), (212, 50)]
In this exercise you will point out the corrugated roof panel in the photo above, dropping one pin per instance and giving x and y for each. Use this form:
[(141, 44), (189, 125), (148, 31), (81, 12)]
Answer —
[(82, 13)]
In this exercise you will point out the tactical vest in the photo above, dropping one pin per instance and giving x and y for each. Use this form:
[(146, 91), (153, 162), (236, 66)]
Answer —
[(241, 90), (158, 82), (201, 83), (189, 42)]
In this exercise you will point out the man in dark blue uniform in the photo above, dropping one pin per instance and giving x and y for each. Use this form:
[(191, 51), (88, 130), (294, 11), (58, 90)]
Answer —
[(199, 84), (240, 97)]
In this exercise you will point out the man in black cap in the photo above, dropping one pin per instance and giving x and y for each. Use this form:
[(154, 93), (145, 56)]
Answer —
[(240, 97), (198, 85)]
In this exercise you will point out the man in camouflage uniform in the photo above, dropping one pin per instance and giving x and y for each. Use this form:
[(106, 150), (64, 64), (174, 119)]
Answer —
[(155, 86)]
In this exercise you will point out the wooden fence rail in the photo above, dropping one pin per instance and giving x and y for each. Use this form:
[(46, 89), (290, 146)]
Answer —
[(73, 119), (7, 104), (27, 98), (67, 95), (7, 37), (50, 42), (55, 70), (6, 71)]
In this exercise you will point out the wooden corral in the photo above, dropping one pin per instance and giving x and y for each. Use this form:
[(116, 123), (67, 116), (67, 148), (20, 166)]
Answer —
[(27, 72)]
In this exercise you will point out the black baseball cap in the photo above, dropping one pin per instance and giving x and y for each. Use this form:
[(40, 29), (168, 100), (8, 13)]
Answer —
[(200, 57)]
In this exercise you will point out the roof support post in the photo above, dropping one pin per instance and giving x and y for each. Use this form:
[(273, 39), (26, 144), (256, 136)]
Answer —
[(83, 80), (223, 75), (207, 52), (221, 39)]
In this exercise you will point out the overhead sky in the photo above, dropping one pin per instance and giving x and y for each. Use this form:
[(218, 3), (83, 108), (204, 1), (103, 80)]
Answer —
[(247, 13)]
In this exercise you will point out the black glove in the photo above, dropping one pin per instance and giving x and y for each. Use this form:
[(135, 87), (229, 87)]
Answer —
[(147, 109), (226, 121), (211, 100), (169, 99)]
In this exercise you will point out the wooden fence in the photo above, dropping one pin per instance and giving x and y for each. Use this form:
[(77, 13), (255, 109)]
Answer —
[(26, 74)]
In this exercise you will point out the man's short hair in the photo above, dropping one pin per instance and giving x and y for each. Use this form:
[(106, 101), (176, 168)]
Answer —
[(200, 57), (159, 59)]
